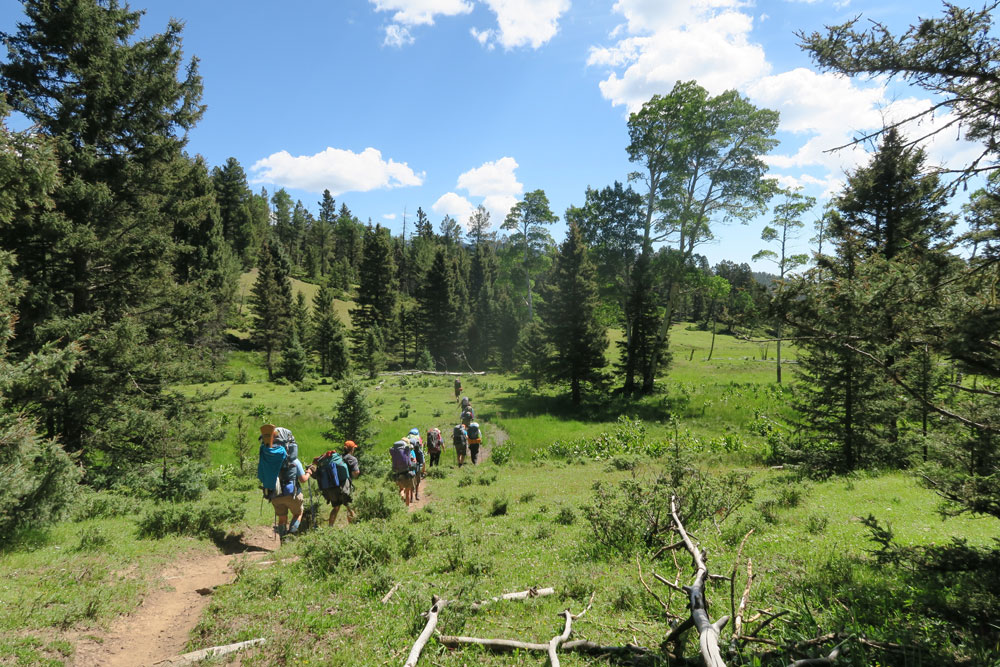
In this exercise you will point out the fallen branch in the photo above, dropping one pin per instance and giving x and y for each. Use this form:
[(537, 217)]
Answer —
[(437, 605), (821, 662), (708, 632), (666, 609), (666, 582), (766, 623), (418, 372), (738, 620), (214, 652), (392, 591), (578, 645), (559, 639), (744, 601), (521, 595)]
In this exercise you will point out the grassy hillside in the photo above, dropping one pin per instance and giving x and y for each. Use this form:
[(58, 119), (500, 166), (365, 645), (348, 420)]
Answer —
[(308, 289)]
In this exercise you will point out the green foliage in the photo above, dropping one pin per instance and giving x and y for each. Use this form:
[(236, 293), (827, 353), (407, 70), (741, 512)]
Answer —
[(501, 454), (347, 552), (293, 360), (499, 506), (204, 519), (353, 417), (380, 504)]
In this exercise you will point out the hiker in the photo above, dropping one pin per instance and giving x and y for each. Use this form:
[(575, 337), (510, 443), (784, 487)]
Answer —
[(468, 414), (435, 443), (281, 476), (465, 403), (475, 436), (458, 388), (418, 454), (404, 465), (335, 474), (461, 442)]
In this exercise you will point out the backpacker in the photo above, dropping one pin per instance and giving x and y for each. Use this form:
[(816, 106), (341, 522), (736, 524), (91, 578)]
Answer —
[(331, 471), (468, 415), (284, 438), (475, 436), (434, 440), (458, 436), (401, 461), (276, 471)]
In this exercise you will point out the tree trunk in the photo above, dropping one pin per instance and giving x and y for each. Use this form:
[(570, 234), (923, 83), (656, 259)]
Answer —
[(778, 353)]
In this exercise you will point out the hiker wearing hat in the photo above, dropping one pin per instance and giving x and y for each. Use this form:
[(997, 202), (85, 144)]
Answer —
[(343, 495), (413, 437), (458, 388), (281, 476)]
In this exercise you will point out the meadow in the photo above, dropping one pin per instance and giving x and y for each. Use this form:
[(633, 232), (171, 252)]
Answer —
[(561, 503)]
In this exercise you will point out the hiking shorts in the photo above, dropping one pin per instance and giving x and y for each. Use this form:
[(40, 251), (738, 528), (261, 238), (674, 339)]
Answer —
[(404, 480), (460, 450), (338, 496), (284, 503)]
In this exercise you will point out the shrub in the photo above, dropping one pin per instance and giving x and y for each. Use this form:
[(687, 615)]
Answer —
[(346, 551), (501, 453), (499, 506), (102, 505), (93, 538), (196, 519), (378, 504), (565, 516)]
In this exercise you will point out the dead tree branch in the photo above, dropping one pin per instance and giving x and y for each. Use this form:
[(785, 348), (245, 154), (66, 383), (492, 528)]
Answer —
[(559, 639), (437, 605), (532, 592), (822, 662)]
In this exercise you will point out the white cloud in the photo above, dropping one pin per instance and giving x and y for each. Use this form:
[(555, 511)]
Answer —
[(492, 178), (421, 12), (499, 206), (525, 22), (335, 169), (454, 205), (389, 216), (484, 37), (397, 35)]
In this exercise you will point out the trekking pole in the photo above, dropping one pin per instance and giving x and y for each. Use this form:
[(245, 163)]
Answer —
[(312, 507)]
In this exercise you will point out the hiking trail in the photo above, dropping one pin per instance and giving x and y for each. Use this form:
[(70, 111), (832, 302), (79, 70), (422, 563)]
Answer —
[(159, 628), (495, 437)]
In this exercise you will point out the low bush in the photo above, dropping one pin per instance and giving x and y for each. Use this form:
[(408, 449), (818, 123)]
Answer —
[(376, 504), (197, 519), (346, 551)]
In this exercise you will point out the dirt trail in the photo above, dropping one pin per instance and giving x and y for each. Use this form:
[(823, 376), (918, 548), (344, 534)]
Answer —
[(159, 627), (495, 436)]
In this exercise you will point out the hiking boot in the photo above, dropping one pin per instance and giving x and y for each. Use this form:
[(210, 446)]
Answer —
[(294, 528), (280, 531), (416, 497)]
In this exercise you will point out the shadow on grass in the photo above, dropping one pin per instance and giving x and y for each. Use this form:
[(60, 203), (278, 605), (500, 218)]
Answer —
[(595, 409)]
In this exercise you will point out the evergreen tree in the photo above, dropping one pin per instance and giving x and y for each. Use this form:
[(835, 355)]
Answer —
[(293, 360), (281, 213), (372, 353), (570, 317), (439, 311), (508, 330), (100, 261), (329, 339), (272, 302), (534, 352), (479, 226), (353, 417), (300, 317), (425, 230), (239, 225), (375, 306), (483, 308)]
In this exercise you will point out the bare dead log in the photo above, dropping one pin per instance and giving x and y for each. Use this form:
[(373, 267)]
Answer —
[(419, 372), (708, 632), (532, 592), (559, 639), (437, 605), (577, 645), (214, 652), (392, 591)]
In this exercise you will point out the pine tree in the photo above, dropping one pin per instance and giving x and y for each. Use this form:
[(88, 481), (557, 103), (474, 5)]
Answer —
[(100, 261), (271, 299), (534, 352), (439, 311), (571, 318), (483, 315), (375, 306), (237, 211)]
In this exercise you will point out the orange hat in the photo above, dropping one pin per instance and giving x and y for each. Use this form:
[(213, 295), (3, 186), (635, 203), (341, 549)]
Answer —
[(267, 433), (349, 444)]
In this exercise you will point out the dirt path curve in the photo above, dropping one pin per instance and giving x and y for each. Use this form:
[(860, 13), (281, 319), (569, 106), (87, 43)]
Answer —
[(495, 436), (159, 627)]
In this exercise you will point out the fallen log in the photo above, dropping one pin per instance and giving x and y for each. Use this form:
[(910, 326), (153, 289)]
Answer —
[(708, 632), (821, 662), (437, 605), (520, 595), (214, 652), (577, 645), (419, 372)]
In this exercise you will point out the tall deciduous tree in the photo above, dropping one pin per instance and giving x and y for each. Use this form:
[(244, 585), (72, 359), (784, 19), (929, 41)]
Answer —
[(571, 318), (787, 220), (702, 160), (527, 221)]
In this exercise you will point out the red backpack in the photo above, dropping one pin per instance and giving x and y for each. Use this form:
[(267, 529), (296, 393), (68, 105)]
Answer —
[(434, 440)]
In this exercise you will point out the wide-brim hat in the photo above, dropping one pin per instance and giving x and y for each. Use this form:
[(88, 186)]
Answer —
[(267, 432)]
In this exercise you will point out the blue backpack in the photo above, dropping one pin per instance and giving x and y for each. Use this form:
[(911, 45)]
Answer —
[(276, 471)]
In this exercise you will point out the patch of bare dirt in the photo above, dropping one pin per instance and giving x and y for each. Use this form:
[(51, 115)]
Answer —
[(159, 628)]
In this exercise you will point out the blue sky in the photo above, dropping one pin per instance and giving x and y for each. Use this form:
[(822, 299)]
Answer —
[(446, 104)]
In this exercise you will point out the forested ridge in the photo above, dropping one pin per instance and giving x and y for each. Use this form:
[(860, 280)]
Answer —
[(121, 256)]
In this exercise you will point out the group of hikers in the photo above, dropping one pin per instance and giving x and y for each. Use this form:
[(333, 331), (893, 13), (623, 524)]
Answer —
[(282, 475)]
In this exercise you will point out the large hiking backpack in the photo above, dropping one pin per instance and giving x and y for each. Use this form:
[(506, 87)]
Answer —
[(458, 436), (468, 415), (331, 471), (276, 471), (400, 457), (434, 440), (466, 402), (475, 435), (284, 438)]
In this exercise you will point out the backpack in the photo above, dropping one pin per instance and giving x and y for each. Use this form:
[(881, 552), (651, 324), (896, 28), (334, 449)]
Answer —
[(434, 440), (400, 457), (468, 415), (458, 436), (474, 434), (331, 471), (288, 478)]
